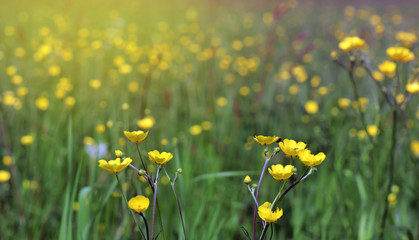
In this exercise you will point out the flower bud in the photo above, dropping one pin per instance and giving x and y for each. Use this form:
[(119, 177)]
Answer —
[(294, 170), (254, 185), (142, 172), (276, 150), (247, 180), (179, 171), (119, 153), (314, 169), (352, 59)]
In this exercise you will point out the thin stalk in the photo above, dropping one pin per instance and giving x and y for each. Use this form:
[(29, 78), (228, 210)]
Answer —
[(279, 193), (257, 195), (391, 172), (361, 113), (146, 224), (276, 203), (154, 201), (142, 162), (180, 210), (126, 201)]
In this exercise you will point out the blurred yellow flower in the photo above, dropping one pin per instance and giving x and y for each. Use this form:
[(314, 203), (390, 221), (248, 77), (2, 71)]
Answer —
[(392, 199), (159, 158), (311, 160), (413, 87), (9, 98), (4, 176), (350, 43), (265, 140), (388, 68), (146, 123), (378, 76), (139, 204), (373, 130), (69, 102), (54, 70), (88, 141), (115, 166), (344, 103), (206, 125), (222, 101), (17, 79), (267, 215), (195, 130), (42, 103), (407, 38), (291, 148), (136, 136), (280, 173), (11, 70), (414, 146), (95, 84), (100, 128), (27, 140), (311, 107), (7, 160), (400, 54)]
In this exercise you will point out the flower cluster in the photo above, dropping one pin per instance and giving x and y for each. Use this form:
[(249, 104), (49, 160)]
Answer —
[(139, 204), (270, 212)]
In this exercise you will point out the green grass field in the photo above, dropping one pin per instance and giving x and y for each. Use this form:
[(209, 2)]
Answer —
[(205, 77)]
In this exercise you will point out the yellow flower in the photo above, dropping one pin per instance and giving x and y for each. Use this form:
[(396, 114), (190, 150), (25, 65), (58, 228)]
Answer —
[(388, 68), (4, 176), (114, 166), (280, 172), (291, 148), (413, 87), (7, 160), (407, 38), (136, 136), (400, 54), (159, 158), (267, 215), (247, 180), (42, 103), (414, 146), (146, 123), (344, 103), (195, 130), (372, 130), (139, 204), (311, 107), (349, 43), (311, 160), (27, 140), (265, 141)]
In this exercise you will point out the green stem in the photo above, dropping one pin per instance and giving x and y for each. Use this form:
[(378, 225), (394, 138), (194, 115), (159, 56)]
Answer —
[(132, 213), (360, 112), (391, 172), (141, 158)]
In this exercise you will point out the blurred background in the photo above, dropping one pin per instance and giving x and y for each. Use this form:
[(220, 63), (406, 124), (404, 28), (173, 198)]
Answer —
[(203, 77)]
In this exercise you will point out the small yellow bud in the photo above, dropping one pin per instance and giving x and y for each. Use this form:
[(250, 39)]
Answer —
[(247, 180), (142, 172), (294, 170), (179, 171), (314, 169), (254, 185), (119, 153)]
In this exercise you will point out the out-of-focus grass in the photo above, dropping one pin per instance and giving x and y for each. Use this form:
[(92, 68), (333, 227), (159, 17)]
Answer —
[(58, 191)]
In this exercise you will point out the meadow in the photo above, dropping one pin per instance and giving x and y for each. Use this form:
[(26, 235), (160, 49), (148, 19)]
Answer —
[(203, 78)]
